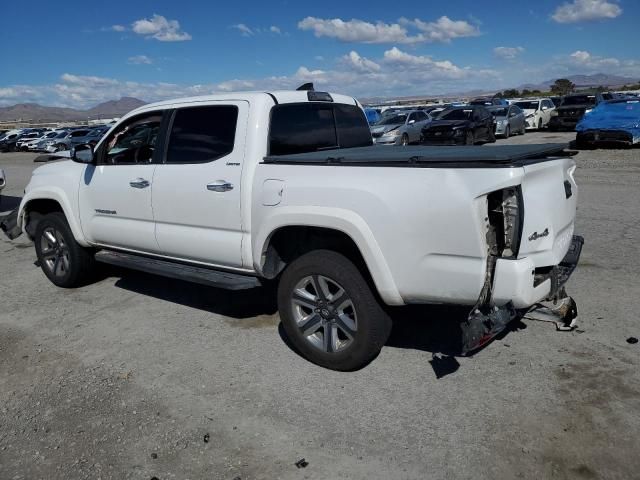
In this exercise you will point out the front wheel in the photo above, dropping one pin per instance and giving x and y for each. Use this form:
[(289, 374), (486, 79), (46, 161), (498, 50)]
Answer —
[(507, 132), (65, 263), (469, 139), (404, 141), (330, 313)]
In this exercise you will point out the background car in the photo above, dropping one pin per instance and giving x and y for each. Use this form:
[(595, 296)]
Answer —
[(400, 128), (488, 101), (508, 120), (3, 181), (460, 126), (74, 137), (31, 145), (373, 115), (537, 111), (574, 106), (613, 122)]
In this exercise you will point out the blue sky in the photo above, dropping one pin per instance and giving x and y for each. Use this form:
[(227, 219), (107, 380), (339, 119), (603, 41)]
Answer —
[(81, 53)]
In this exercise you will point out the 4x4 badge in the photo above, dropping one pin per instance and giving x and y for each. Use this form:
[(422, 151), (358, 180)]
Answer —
[(536, 235)]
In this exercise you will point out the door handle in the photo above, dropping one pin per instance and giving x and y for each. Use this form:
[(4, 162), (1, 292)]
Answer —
[(220, 186), (139, 183)]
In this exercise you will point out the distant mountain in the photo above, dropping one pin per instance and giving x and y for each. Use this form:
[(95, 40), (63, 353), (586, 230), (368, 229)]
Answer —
[(40, 113), (582, 81)]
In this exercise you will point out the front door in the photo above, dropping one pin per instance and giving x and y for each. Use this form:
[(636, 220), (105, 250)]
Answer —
[(115, 194), (196, 191)]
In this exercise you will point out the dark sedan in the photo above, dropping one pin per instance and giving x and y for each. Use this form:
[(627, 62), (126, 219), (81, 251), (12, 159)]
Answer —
[(460, 126)]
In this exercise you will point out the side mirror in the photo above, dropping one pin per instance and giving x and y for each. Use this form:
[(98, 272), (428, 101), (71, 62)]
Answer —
[(411, 122), (82, 153), (545, 108)]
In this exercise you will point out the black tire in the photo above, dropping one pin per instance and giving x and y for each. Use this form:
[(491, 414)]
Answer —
[(507, 132), (404, 141), (372, 324), (492, 137), (60, 147), (469, 139), (65, 263), (539, 124)]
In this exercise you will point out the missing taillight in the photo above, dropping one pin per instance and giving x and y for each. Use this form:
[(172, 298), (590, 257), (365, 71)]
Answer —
[(505, 221)]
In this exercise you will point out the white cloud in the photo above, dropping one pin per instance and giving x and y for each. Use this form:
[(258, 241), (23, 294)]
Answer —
[(359, 31), (160, 28), (444, 29), (118, 28), (274, 29), (586, 10), (361, 64), (508, 53), (395, 73), (320, 58), (585, 59), (243, 29), (139, 60)]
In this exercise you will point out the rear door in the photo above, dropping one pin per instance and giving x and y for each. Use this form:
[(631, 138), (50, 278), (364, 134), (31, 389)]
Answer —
[(196, 190)]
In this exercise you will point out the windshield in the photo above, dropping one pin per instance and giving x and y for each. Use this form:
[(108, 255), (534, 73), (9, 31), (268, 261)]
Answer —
[(532, 105), (457, 114), (579, 100), (61, 134), (392, 120), (499, 112)]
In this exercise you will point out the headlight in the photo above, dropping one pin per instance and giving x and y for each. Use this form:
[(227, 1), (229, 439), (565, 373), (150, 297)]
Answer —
[(502, 123), (554, 113), (392, 133), (588, 110), (458, 132), (531, 115)]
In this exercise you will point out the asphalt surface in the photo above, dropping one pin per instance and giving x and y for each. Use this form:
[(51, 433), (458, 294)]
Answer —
[(140, 377)]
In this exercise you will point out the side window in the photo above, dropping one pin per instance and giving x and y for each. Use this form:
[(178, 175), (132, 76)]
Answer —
[(133, 142), (202, 134)]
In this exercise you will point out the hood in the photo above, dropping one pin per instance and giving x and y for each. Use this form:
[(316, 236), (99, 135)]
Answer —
[(56, 168), (384, 128), (448, 123), (578, 106), (528, 111)]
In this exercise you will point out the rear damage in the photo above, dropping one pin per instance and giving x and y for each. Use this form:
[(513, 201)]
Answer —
[(530, 256)]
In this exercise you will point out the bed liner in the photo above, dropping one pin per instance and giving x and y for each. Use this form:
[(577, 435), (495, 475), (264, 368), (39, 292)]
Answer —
[(428, 156)]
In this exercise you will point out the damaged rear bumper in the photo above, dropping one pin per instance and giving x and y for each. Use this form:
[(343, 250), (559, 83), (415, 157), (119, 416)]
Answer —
[(518, 285), (9, 225), (521, 283)]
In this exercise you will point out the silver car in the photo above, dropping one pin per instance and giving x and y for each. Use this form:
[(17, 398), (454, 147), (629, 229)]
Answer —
[(400, 128), (508, 119)]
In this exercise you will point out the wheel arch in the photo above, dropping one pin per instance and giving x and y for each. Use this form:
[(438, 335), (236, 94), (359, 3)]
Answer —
[(296, 233), (34, 206)]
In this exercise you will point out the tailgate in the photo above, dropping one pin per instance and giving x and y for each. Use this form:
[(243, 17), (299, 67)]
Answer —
[(550, 196)]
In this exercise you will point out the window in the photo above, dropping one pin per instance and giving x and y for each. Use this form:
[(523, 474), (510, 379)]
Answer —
[(309, 127), (202, 134), (353, 129), (132, 142), (79, 133)]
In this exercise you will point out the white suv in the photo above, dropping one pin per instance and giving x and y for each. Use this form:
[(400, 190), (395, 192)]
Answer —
[(537, 111)]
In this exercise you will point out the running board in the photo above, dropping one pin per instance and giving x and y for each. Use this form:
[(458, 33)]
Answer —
[(181, 271)]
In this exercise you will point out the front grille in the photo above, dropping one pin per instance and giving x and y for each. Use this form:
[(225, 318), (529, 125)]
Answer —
[(437, 133), (377, 134), (574, 112)]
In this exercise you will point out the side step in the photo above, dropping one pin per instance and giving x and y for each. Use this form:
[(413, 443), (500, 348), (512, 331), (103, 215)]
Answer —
[(181, 271)]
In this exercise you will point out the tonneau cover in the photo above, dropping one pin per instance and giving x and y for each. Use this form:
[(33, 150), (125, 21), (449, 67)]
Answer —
[(428, 156)]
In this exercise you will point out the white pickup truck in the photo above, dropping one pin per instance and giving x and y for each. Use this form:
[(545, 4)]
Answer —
[(239, 189)]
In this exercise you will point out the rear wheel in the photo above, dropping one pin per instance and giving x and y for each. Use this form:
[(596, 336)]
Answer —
[(66, 263), (330, 313)]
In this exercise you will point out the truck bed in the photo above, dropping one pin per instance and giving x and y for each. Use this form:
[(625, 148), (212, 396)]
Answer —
[(428, 156)]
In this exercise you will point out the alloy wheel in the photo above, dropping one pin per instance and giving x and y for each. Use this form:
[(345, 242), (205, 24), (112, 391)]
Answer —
[(54, 251), (324, 313)]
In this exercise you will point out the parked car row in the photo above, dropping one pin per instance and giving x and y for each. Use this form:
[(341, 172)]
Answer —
[(50, 141)]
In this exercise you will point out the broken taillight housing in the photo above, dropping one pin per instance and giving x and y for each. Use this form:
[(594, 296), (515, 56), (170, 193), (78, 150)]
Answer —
[(505, 208)]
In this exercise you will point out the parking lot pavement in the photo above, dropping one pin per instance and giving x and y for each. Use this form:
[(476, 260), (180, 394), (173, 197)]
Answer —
[(124, 378)]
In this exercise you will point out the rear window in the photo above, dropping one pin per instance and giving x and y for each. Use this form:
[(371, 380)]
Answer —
[(202, 134), (309, 127)]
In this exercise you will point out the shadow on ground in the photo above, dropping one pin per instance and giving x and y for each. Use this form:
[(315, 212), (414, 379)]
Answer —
[(430, 328)]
